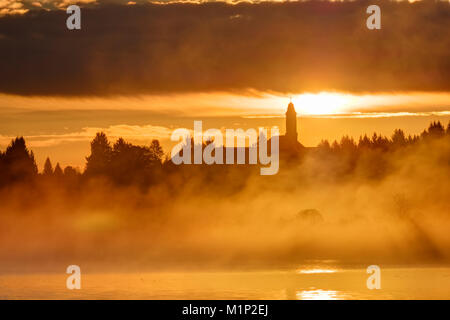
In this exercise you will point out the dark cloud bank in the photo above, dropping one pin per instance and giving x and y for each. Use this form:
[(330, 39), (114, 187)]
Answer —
[(284, 47)]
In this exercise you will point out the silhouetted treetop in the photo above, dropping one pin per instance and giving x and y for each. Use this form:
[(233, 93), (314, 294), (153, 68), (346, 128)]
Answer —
[(156, 150), (48, 168), (124, 163), (127, 164), (435, 130), (17, 163), (58, 171), (100, 158), (398, 138)]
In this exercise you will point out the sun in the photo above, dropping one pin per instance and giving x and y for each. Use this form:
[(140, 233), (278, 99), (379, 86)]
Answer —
[(321, 103)]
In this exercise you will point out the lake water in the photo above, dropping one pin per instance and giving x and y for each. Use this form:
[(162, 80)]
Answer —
[(396, 283)]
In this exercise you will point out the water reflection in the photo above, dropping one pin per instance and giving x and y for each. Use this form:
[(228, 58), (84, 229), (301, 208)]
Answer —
[(319, 294), (316, 270), (399, 283)]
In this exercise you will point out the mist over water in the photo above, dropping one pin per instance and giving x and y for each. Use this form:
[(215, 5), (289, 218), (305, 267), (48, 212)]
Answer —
[(131, 222), (390, 209)]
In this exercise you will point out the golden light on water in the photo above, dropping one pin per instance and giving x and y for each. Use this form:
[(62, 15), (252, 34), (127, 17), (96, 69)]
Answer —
[(312, 271), (319, 294)]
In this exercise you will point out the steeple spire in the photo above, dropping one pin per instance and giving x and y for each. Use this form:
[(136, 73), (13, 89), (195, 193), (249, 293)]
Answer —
[(291, 122)]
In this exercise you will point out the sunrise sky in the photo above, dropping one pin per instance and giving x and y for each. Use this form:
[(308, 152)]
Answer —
[(141, 70)]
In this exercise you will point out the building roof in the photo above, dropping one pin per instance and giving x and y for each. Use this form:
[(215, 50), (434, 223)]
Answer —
[(290, 107)]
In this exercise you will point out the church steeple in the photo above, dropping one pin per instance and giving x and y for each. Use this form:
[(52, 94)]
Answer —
[(291, 122)]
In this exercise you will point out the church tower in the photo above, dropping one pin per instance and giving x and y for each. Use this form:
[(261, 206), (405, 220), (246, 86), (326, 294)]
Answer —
[(291, 122)]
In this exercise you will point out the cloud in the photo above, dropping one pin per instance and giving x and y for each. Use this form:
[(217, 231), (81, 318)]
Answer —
[(287, 47), (141, 134), (14, 7), (8, 7)]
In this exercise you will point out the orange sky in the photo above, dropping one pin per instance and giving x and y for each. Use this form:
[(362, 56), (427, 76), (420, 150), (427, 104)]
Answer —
[(141, 71), (62, 127)]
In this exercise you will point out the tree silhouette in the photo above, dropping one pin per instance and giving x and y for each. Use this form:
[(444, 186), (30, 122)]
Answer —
[(324, 146), (335, 146), (364, 142), (70, 171), (2, 169), (17, 163), (98, 163), (436, 130), (156, 151), (398, 138), (58, 173), (347, 144), (128, 164), (48, 168), (380, 142), (71, 177)]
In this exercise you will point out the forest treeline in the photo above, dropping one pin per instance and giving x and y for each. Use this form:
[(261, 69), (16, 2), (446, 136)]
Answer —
[(123, 163)]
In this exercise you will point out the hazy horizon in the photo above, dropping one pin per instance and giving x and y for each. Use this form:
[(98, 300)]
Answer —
[(141, 225)]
